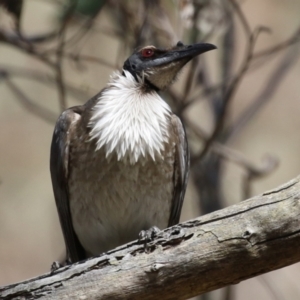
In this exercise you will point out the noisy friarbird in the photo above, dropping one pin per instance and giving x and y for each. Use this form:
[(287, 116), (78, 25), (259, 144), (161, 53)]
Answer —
[(119, 163)]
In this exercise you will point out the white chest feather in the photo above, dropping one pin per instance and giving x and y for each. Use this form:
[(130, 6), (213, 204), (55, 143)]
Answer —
[(129, 121)]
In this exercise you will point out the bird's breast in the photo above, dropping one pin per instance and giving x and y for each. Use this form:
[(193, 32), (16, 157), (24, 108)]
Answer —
[(111, 201)]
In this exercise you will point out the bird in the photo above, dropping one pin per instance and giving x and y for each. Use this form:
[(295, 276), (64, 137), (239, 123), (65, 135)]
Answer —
[(119, 163)]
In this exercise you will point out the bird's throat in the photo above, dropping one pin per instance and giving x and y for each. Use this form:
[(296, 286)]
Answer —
[(129, 121)]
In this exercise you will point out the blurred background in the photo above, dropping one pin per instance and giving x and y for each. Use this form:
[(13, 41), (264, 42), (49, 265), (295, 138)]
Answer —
[(240, 105)]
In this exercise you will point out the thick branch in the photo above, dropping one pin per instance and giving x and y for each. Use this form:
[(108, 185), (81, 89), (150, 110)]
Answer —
[(222, 248)]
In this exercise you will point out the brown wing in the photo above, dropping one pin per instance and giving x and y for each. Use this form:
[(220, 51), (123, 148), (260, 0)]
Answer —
[(59, 161), (181, 170)]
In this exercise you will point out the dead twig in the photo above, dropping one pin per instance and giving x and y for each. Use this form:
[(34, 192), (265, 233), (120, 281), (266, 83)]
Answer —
[(29, 105)]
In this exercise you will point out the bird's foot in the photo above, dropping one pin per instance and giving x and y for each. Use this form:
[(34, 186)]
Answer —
[(146, 236), (55, 266)]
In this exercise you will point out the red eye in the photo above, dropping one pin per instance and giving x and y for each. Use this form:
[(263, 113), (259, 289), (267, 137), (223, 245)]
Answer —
[(147, 52)]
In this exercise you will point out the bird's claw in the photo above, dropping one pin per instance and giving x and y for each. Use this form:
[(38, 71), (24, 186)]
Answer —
[(55, 266), (146, 236)]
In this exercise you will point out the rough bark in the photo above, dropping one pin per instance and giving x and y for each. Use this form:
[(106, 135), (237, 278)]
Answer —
[(244, 240)]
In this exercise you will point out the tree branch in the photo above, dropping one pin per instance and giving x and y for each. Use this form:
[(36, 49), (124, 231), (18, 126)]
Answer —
[(200, 255)]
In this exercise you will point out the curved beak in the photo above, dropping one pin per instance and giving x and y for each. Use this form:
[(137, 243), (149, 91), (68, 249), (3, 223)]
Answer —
[(189, 51), (180, 53)]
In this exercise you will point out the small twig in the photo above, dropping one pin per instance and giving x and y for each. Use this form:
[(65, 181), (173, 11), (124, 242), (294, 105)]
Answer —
[(269, 163), (60, 83), (230, 93), (59, 57), (271, 86), (295, 38), (25, 47), (43, 78), (242, 18), (141, 32), (32, 107), (80, 34), (267, 166), (88, 58), (163, 25), (228, 51), (194, 63), (206, 91), (189, 80), (111, 32)]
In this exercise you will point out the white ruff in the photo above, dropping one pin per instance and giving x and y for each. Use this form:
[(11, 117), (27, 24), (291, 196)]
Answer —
[(130, 121)]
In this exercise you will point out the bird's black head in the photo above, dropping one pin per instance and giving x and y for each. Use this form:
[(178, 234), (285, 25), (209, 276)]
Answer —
[(159, 67)]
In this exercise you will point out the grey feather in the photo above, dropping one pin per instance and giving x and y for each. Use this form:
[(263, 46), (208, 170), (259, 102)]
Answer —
[(59, 161), (181, 170)]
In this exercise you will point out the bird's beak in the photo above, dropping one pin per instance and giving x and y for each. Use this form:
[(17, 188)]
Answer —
[(181, 53), (188, 51)]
